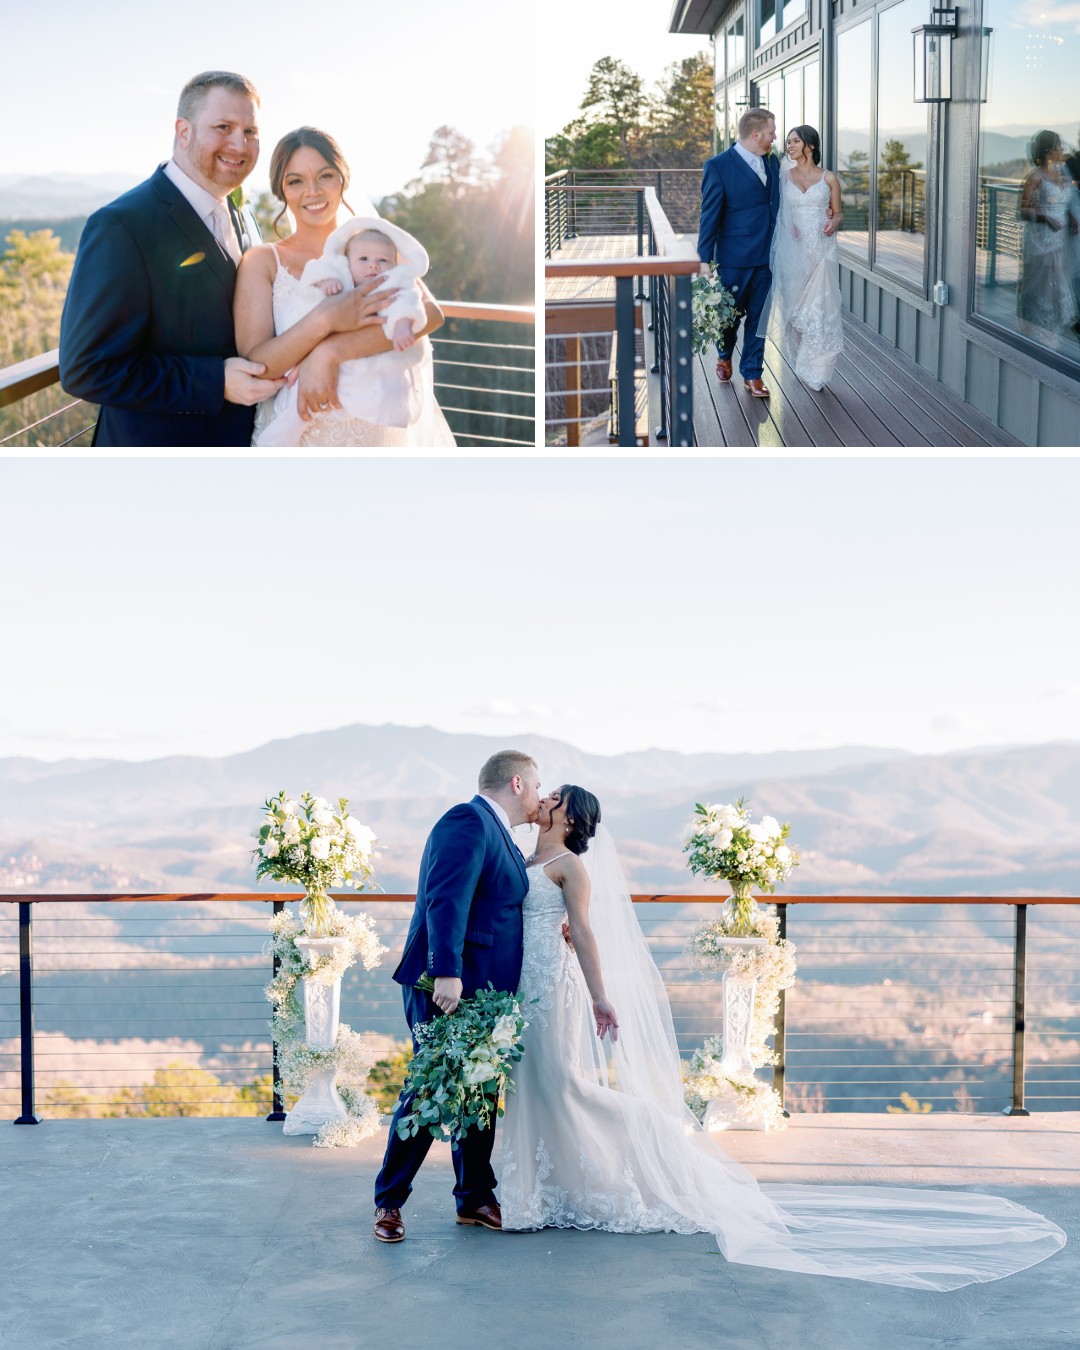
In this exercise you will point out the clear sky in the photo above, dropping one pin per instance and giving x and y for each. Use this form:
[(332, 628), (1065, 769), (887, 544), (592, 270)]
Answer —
[(162, 606), (576, 35), (92, 88)]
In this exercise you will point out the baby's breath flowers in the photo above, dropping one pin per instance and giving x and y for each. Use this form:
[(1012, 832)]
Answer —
[(298, 1063)]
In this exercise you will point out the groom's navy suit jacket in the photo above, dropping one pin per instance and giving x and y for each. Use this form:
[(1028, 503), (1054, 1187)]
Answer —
[(148, 323), (738, 211), (467, 921)]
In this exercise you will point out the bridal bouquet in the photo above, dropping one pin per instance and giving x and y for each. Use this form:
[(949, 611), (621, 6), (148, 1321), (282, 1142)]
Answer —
[(713, 310), (722, 843), (305, 842), (462, 1064)]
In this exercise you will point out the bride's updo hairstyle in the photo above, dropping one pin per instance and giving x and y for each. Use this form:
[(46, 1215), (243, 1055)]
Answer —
[(582, 816), (812, 141), (1042, 146), (287, 147)]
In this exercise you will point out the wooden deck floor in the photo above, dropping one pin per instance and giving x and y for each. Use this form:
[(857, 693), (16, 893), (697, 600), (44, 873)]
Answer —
[(603, 247), (879, 398)]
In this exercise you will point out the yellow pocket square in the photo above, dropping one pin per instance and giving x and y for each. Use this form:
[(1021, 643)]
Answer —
[(195, 258)]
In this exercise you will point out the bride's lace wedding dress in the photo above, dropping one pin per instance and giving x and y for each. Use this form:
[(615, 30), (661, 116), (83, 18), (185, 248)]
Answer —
[(803, 318), (593, 1144)]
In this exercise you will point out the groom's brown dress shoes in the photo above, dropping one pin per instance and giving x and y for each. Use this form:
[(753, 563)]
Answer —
[(388, 1225), (483, 1216), (723, 370), (756, 388)]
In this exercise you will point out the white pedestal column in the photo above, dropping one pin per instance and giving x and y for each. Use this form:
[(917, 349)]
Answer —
[(321, 1101), (732, 1111)]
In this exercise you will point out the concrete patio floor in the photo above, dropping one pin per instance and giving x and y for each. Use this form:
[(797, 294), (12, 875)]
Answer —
[(225, 1234)]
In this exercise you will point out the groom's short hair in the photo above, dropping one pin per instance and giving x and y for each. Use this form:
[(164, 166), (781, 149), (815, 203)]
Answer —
[(501, 767), (195, 91), (754, 119)]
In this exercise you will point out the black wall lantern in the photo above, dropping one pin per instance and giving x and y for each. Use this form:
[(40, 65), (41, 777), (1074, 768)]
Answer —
[(933, 56)]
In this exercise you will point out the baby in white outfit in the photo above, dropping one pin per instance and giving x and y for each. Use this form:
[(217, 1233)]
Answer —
[(387, 389)]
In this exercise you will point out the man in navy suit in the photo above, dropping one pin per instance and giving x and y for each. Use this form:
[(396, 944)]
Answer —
[(740, 199), (147, 329), (466, 931)]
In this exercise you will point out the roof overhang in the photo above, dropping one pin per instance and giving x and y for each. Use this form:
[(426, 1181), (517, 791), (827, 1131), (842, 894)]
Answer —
[(697, 16)]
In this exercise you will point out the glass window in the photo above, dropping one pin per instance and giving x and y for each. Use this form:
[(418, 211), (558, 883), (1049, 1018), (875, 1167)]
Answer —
[(793, 102), (767, 26), (812, 98), (900, 232), (853, 53), (794, 9), (1027, 256), (736, 45)]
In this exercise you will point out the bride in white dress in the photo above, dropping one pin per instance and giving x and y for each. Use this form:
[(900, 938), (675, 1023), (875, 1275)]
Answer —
[(595, 1142), (803, 316), (310, 175)]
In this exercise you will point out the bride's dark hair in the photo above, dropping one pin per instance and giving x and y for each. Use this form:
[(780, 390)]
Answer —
[(582, 816), (812, 141), (287, 147)]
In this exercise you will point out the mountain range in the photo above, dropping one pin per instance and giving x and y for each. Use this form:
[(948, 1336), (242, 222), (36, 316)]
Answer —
[(59, 194), (995, 821)]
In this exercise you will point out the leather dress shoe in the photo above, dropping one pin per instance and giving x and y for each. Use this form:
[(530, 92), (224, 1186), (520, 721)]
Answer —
[(756, 388), (388, 1225), (723, 370), (483, 1216)]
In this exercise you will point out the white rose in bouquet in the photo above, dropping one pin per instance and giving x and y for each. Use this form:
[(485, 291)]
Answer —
[(505, 1032), (320, 848)]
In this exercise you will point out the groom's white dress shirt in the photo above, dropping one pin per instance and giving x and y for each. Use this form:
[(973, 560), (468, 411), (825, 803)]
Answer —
[(755, 161), (213, 213)]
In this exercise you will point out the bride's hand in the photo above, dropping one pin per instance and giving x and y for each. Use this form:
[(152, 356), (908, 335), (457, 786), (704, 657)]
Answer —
[(605, 1018), (359, 308), (317, 381)]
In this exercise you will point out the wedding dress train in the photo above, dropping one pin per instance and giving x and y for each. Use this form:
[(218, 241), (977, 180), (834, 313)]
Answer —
[(593, 1143)]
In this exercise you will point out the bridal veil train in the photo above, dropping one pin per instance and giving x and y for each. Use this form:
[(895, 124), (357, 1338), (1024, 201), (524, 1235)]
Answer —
[(580, 1153)]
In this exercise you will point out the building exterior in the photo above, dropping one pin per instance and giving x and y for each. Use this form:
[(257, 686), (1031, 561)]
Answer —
[(961, 237)]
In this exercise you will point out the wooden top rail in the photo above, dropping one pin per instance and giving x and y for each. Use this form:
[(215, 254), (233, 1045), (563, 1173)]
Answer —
[(386, 898), (626, 267), (40, 372), (470, 309), (29, 377), (668, 243)]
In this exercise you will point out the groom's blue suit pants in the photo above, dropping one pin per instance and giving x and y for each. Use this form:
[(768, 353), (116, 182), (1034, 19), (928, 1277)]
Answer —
[(472, 1155), (751, 286)]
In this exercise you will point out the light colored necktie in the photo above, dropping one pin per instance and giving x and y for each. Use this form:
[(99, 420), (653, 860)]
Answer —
[(760, 164), (224, 231)]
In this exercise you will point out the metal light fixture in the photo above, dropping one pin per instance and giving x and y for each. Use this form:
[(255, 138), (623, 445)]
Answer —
[(933, 56)]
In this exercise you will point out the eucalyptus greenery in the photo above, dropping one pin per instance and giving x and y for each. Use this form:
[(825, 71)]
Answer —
[(461, 1065), (713, 311)]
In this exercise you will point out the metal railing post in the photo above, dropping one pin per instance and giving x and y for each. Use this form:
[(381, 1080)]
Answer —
[(624, 368), (26, 1014), (682, 381), (663, 292), (1019, 998), (277, 1106), (640, 293), (780, 1043)]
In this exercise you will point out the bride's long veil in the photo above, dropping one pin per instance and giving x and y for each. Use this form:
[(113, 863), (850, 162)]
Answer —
[(923, 1239), (785, 264)]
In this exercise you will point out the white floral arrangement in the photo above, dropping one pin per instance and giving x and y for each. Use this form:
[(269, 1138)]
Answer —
[(755, 1102), (297, 1061), (304, 841), (713, 311), (724, 845)]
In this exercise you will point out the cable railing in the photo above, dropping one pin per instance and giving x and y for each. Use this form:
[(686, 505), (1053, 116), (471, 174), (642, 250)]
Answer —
[(668, 264), (485, 380), (125, 1004), (593, 202)]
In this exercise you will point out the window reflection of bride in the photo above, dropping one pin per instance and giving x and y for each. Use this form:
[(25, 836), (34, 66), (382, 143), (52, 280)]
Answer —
[(1045, 299), (803, 317)]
